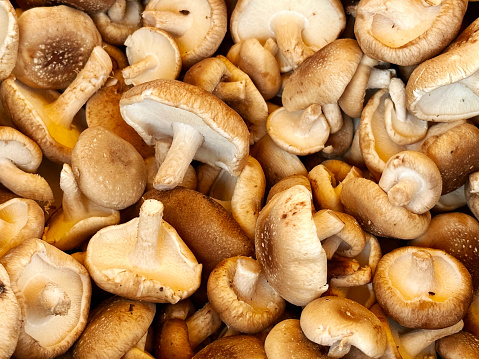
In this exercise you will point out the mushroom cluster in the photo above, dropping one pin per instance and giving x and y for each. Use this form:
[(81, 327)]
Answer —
[(239, 179)]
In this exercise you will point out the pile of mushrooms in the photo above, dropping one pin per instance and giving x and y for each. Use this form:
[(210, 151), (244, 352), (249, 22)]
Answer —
[(239, 179)]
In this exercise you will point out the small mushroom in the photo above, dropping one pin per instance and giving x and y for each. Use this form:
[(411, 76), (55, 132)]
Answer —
[(422, 287), (53, 291), (11, 324), (79, 218), (198, 27), (471, 320), (341, 323), (239, 292), (20, 219), (236, 346), (9, 35), (147, 259), (152, 54), (51, 59), (462, 344)]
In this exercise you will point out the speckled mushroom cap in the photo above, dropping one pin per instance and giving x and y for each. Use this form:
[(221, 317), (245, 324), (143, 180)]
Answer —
[(422, 287), (460, 345), (114, 327), (11, 323), (99, 159), (407, 32), (444, 88), (9, 37), (51, 58)]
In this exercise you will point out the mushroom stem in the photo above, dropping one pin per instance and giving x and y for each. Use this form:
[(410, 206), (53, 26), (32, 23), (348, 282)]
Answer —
[(202, 324), (245, 279), (421, 275), (333, 115), (186, 141), (72, 203), (380, 78), (24, 184), (339, 349), (54, 299), (149, 226), (331, 245), (287, 29), (230, 91), (402, 192), (308, 118), (327, 224), (175, 23), (271, 46), (93, 75), (133, 71), (117, 11)]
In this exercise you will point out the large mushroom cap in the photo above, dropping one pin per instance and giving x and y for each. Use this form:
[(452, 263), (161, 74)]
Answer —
[(9, 38)]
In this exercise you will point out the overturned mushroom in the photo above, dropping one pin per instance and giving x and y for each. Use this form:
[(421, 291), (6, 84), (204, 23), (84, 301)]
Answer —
[(9, 36), (12, 319)]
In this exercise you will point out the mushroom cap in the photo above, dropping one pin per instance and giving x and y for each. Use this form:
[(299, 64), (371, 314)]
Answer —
[(457, 234), (236, 346), (99, 159), (296, 269), (462, 344), (370, 205), (31, 265), (115, 326), (11, 323), (288, 182), (322, 77), (152, 107), (249, 312), (438, 304), (9, 38), (336, 321), (91, 6), (286, 340), (407, 32), (19, 149), (438, 88), (51, 58), (207, 25)]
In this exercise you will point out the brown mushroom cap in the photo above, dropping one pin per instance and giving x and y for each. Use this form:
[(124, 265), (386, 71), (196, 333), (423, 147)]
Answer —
[(460, 345), (237, 346), (9, 37), (91, 6), (422, 287), (51, 58), (11, 323)]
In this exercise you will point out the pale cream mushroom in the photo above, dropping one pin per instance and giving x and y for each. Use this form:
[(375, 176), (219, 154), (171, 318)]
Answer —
[(143, 259), (52, 58), (202, 127), (239, 292), (49, 118), (422, 287), (295, 27), (53, 291), (20, 158), (78, 218), (20, 219), (445, 88), (198, 27), (152, 54), (11, 324), (9, 36), (407, 32), (341, 323)]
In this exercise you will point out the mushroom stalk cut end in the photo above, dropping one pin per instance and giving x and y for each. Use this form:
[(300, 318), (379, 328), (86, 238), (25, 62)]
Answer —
[(54, 299)]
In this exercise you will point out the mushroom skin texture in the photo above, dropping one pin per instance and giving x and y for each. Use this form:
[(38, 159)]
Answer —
[(51, 59), (462, 344), (407, 32), (9, 36), (86, 6), (341, 323), (54, 292), (422, 287), (11, 323), (236, 346)]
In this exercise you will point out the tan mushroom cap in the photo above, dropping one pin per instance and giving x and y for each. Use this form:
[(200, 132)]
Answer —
[(288, 182), (444, 88), (90, 6), (341, 323), (370, 205), (143, 259), (198, 27), (51, 59), (12, 320), (294, 27), (422, 287), (471, 320), (53, 291), (115, 326), (9, 35), (463, 344), (239, 292), (20, 219), (236, 346), (99, 159), (322, 78)]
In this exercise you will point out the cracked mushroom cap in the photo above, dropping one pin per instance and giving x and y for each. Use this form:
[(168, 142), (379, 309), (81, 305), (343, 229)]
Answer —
[(198, 27), (422, 287), (11, 323), (53, 291), (444, 88), (407, 32), (9, 38), (51, 58), (115, 326), (341, 323)]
